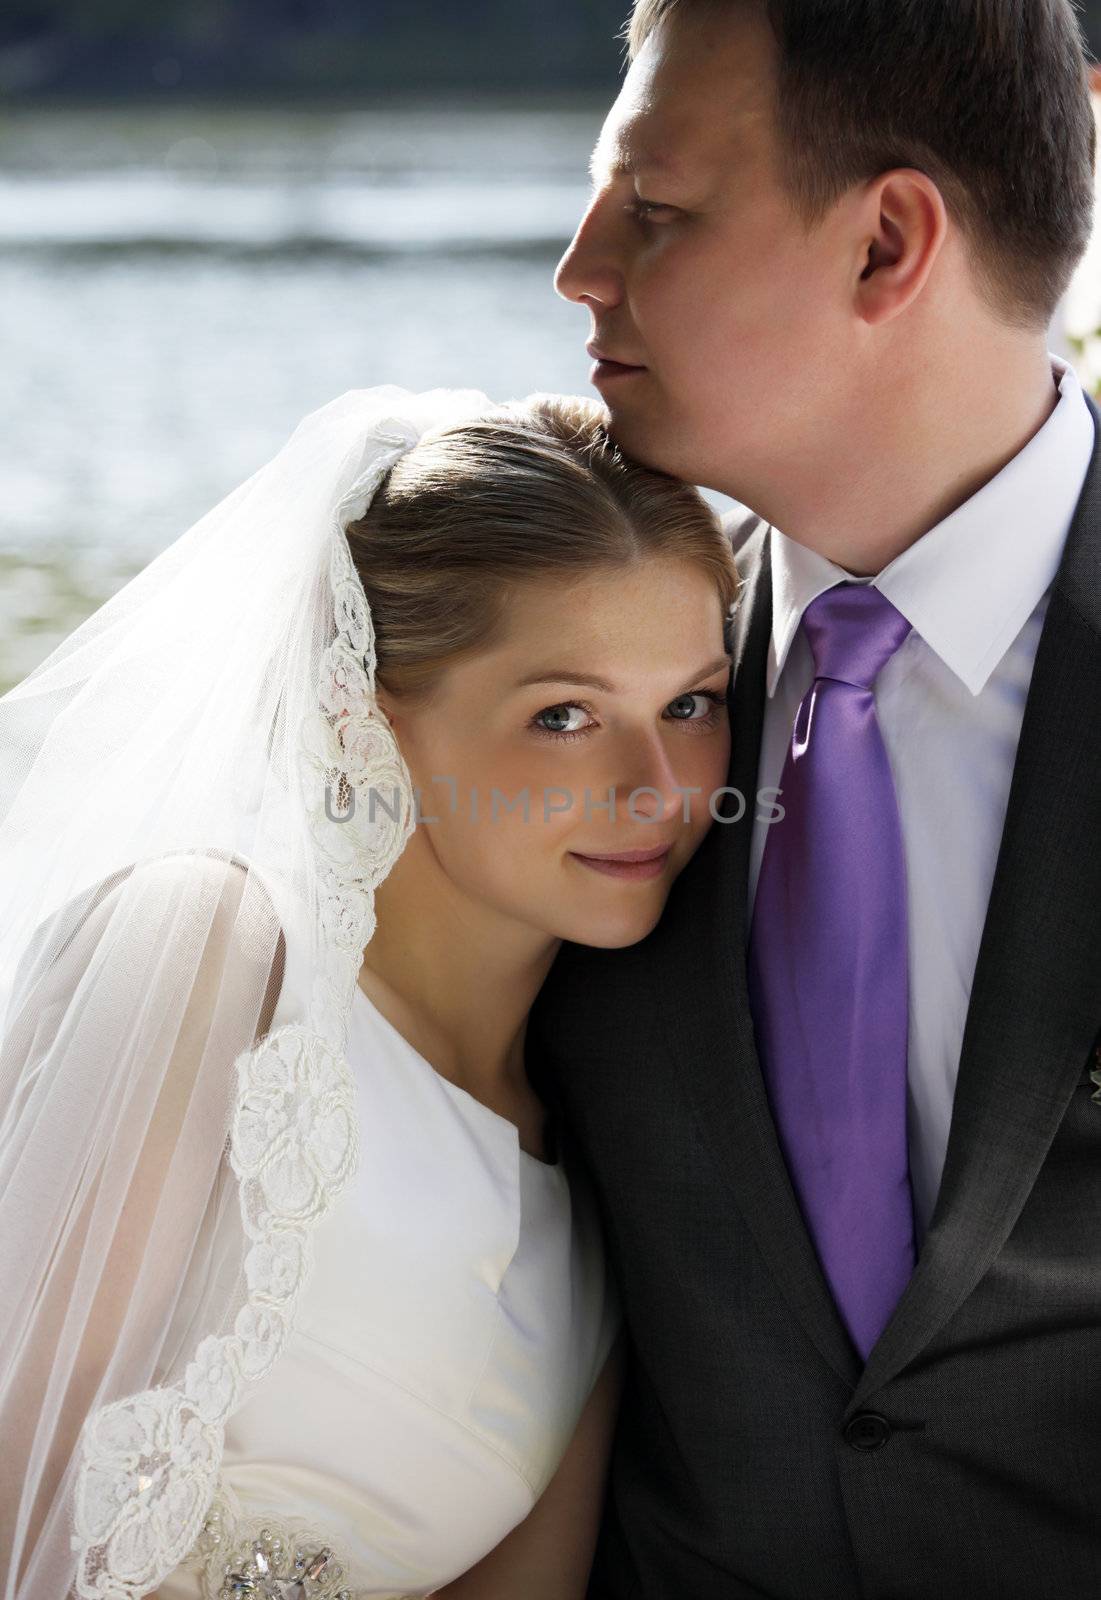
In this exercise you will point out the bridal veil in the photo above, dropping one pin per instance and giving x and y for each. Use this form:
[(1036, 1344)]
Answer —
[(198, 796)]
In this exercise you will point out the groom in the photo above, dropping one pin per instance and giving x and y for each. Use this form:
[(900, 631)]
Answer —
[(840, 1105)]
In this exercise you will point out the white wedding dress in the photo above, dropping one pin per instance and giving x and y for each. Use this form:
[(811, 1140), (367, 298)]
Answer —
[(458, 1314)]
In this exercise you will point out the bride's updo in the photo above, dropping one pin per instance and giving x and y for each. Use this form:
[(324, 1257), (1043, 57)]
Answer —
[(532, 489)]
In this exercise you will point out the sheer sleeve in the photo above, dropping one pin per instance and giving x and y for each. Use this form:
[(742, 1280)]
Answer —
[(114, 1185)]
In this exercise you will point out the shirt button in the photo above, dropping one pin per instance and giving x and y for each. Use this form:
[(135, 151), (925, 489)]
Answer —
[(867, 1431)]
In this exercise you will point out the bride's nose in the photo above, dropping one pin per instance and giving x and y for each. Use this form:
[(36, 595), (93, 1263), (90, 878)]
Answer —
[(649, 786)]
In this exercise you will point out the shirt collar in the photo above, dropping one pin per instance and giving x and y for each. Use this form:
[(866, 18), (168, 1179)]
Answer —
[(969, 585)]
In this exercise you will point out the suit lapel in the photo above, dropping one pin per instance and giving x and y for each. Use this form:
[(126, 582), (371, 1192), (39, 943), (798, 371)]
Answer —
[(705, 927), (1036, 996), (1035, 999)]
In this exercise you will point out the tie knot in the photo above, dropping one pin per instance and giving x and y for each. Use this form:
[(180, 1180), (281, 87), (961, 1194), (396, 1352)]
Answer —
[(853, 631)]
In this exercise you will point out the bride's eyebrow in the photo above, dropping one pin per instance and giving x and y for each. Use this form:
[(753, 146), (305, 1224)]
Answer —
[(587, 680)]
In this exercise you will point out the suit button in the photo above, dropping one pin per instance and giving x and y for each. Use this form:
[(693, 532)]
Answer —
[(867, 1431)]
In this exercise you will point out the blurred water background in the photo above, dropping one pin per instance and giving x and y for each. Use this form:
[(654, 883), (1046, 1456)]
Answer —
[(188, 265), (179, 287)]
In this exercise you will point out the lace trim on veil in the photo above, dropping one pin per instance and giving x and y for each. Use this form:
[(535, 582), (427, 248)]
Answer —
[(150, 1463)]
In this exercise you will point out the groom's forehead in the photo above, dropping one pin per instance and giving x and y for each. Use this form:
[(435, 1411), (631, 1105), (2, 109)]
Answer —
[(674, 115), (665, 142), (634, 147)]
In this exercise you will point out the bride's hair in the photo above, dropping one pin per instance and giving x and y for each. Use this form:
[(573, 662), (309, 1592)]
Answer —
[(531, 489)]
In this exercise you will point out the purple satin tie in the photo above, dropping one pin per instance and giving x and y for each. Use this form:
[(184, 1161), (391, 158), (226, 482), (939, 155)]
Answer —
[(827, 966)]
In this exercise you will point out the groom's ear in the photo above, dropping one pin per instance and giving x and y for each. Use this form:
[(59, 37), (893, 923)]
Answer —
[(903, 223)]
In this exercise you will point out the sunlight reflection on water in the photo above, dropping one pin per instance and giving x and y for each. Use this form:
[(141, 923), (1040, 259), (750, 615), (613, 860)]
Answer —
[(177, 290)]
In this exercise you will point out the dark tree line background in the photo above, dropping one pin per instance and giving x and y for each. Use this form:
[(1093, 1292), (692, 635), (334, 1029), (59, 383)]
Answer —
[(76, 48), (306, 48)]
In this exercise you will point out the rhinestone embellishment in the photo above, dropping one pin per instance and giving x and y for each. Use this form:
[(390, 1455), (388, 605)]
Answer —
[(269, 1566)]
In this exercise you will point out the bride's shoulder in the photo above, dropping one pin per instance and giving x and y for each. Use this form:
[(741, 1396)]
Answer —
[(193, 916), (221, 886)]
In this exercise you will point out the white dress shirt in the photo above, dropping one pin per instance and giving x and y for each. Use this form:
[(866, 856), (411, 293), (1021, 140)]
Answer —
[(950, 703)]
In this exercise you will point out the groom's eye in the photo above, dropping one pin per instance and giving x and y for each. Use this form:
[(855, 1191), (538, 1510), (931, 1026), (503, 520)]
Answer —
[(650, 210)]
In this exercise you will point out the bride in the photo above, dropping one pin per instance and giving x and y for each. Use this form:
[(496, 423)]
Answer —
[(301, 1294)]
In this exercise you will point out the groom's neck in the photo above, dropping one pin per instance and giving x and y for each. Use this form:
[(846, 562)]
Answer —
[(918, 442)]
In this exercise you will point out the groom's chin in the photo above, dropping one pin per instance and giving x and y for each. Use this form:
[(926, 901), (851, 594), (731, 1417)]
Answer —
[(637, 436), (652, 445), (643, 437)]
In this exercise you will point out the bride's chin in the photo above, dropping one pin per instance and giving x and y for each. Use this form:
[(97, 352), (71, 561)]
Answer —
[(615, 931), (617, 942)]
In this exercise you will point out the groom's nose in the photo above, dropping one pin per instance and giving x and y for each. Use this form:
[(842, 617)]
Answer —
[(589, 271)]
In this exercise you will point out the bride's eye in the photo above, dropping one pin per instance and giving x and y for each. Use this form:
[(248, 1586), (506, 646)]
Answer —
[(562, 713), (698, 711), (714, 704)]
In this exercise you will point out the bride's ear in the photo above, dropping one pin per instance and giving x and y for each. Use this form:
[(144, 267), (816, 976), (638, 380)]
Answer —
[(388, 705)]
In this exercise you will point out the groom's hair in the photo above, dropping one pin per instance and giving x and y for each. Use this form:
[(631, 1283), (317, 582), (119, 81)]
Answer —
[(990, 98)]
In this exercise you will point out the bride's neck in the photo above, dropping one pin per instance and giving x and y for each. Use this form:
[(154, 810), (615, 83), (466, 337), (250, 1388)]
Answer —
[(453, 976)]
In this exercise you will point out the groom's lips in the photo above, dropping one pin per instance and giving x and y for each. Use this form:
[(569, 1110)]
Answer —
[(606, 368)]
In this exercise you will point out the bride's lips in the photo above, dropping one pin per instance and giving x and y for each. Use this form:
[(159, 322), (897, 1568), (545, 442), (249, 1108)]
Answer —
[(631, 864), (608, 370)]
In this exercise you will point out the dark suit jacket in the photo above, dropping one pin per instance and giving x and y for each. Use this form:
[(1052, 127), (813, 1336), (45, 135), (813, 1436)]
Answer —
[(755, 1456)]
